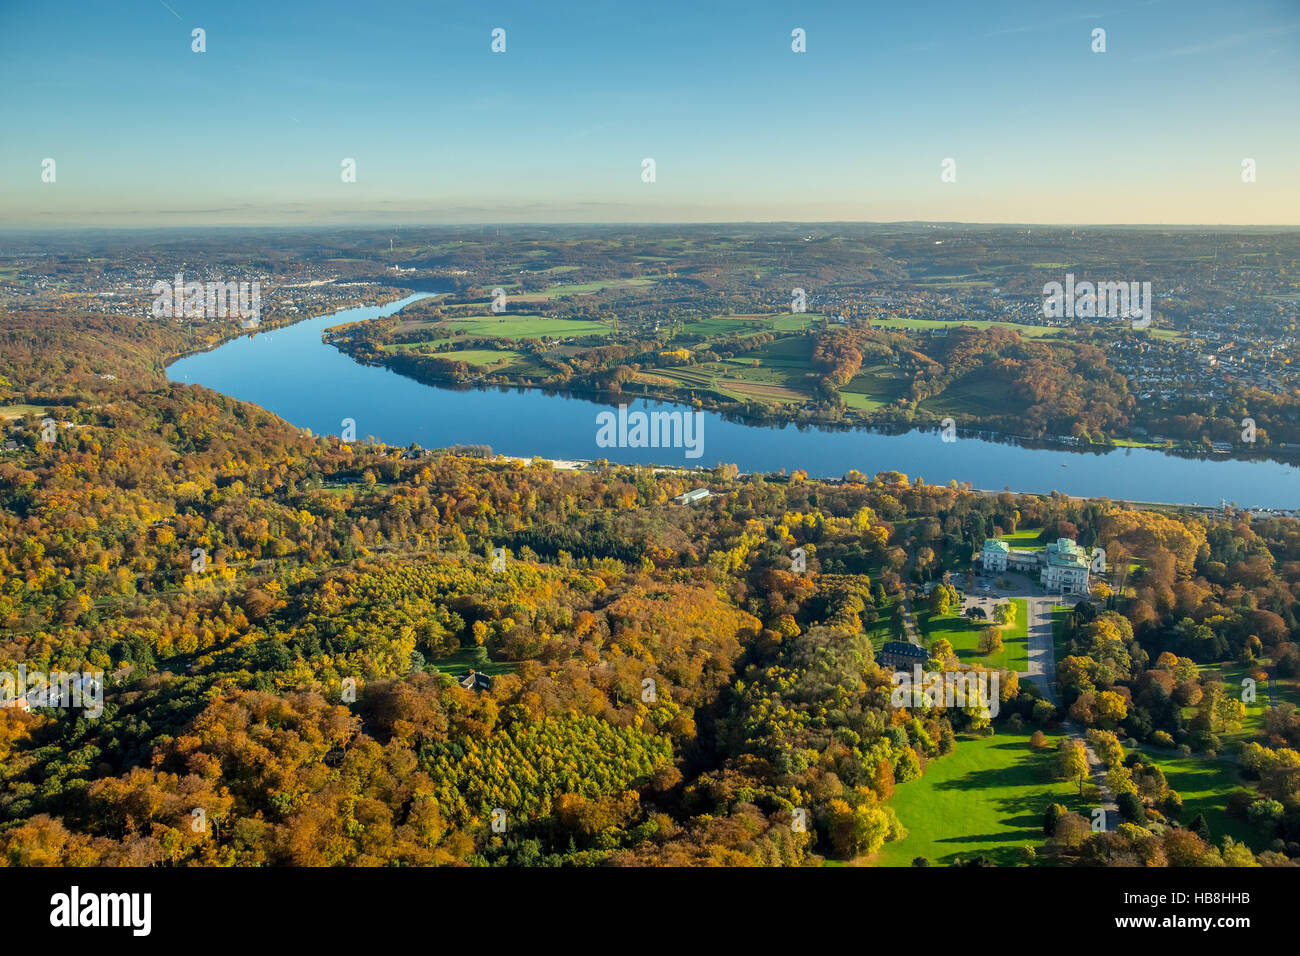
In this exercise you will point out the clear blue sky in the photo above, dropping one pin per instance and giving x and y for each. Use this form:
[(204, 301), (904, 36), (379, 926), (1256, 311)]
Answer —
[(1042, 129)]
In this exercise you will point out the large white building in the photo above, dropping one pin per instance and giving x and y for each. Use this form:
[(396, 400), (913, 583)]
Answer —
[(1063, 566)]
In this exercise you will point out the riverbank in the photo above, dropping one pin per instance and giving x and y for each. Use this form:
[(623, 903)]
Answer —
[(313, 385)]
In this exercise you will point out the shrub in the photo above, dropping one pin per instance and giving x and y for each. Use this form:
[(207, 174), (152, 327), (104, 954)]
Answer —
[(1131, 808)]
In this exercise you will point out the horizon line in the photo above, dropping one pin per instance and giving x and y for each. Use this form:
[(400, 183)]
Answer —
[(524, 223)]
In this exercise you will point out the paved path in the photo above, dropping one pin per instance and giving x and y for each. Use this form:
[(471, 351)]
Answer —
[(909, 622), (1042, 650), (1042, 670), (1098, 775)]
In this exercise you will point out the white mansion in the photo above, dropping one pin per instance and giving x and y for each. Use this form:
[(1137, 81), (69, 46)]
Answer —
[(1063, 565)]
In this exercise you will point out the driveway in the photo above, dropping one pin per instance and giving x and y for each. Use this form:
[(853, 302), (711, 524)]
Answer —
[(1042, 671), (1041, 654)]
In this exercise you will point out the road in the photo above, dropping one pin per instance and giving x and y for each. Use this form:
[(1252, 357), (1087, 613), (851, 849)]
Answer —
[(909, 623), (1042, 666)]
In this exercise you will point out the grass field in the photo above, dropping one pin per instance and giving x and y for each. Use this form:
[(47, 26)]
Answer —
[(483, 357), (462, 662), (578, 288), (1026, 539), (987, 796), (1232, 675), (875, 386), (525, 327), (1028, 331), (979, 392), (750, 324), (774, 374), (964, 636), (733, 382), (1059, 615), (888, 628), (1204, 786), (11, 412)]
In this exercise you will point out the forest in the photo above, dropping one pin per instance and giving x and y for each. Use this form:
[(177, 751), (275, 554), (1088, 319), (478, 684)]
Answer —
[(665, 688)]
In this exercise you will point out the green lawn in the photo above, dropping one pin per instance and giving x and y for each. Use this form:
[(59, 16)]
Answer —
[(964, 636), (1060, 613), (1231, 675), (888, 628), (1026, 539), (1204, 786), (987, 796), (524, 327), (460, 664)]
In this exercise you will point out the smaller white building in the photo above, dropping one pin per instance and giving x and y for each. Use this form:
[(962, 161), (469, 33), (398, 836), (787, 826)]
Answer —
[(994, 556), (693, 497)]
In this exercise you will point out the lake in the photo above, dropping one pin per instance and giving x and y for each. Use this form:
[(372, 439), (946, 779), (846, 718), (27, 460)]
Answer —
[(292, 373)]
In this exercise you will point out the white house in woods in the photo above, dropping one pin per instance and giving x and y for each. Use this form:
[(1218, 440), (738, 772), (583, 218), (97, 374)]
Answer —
[(1063, 566), (693, 497)]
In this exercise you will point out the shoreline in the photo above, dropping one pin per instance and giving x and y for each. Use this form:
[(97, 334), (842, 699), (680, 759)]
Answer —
[(833, 473)]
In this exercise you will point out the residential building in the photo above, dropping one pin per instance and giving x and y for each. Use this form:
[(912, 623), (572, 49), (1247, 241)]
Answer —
[(1062, 566), (899, 655)]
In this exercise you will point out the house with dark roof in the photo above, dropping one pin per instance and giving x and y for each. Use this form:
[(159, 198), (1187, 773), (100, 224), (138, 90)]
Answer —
[(476, 681), (900, 654)]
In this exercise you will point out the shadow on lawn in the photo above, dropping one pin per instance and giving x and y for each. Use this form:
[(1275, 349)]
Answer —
[(999, 855)]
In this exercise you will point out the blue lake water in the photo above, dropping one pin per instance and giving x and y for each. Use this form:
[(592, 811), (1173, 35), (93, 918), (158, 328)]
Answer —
[(292, 373)]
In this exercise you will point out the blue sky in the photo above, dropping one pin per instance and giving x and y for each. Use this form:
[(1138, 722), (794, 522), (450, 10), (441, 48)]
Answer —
[(144, 131)]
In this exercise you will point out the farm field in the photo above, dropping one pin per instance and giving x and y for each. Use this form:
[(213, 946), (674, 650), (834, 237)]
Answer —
[(729, 381), (11, 412), (484, 357), (775, 373), (509, 326), (875, 386), (726, 326), (524, 327), (576, 288), (1028, 331), (976, 393)]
